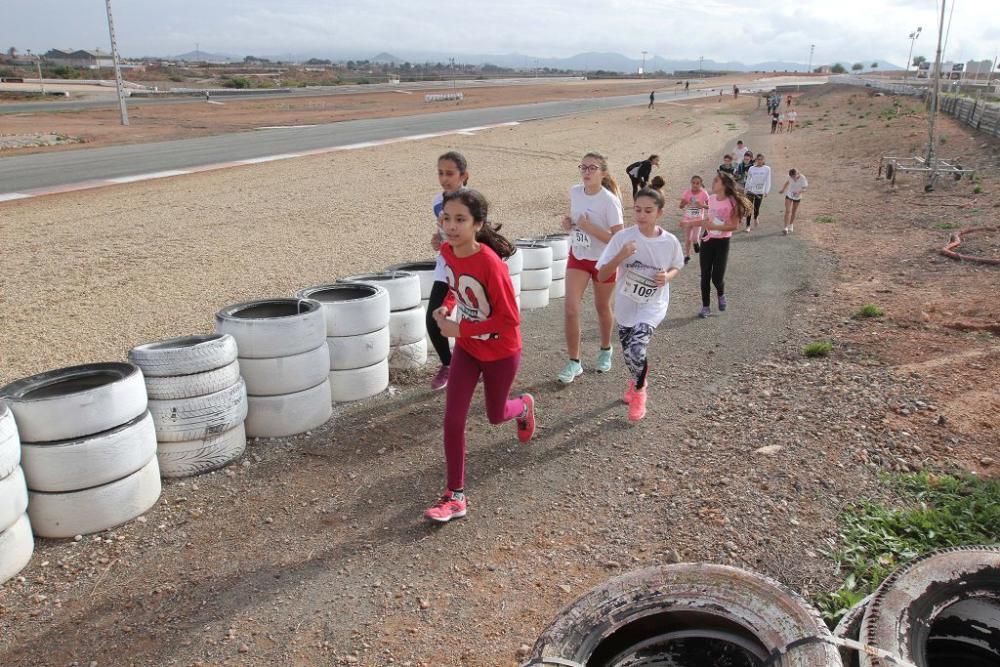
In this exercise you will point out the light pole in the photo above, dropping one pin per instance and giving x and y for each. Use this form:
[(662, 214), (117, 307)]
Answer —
[(812, 48), (38, 66), (913, 37), (118, 69), (701, 63), (642, 70)]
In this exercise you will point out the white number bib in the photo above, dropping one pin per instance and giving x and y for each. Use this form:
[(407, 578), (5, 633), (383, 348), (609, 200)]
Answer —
[(639, 288), (581, 239), (694, 213)]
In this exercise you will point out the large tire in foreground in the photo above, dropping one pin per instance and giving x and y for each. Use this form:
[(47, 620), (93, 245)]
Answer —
[(193, 457), (286, 375), (76, 401), (533, 299), (697, 614), (196, 384), (95, 509), (351, 309), (515, 263), (849, 627), (557, 289), (289, 414), (350, 352), (409, 357), (424, 271), (13, 498), (16, 547), (407, 326), (942, 608), (536, 255), (185, 355), (269, 328), (200, 416), (359, 383), (559, 244), (70, 465), (536, 279), (10, 443)]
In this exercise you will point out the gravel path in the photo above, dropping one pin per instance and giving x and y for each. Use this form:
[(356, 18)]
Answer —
[(312, 551)]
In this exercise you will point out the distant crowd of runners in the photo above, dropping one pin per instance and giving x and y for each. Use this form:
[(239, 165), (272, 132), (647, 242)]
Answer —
[(630, 270)]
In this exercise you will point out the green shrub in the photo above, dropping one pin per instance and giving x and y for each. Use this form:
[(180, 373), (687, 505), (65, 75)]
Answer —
[(869, 310), (819, 348), (947, 225), (977, 190), (824, 219), (237, 82)]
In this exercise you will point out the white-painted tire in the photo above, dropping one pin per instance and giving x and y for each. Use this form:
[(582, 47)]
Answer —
[(13, 498), (559, 244), (351, 309), (288, 414), (559, 268), (194, 457), (536, 279), (196, 384), (16, 546), (77, 401), (71, 465), (534, 299), (286, 375), (185, 355), (408, 357), (270, 328), (407, 326), (359, 383), (350, 352), (515, 263), (557, 289), (516, 282), (517, 300), (536, 255), (403, 287), (201, 416), (424, 271), (95, 509), (10, 443)]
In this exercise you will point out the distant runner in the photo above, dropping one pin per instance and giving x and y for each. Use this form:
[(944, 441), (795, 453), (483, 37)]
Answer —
[(741, 150), (727, 166), (793, 189), (792, 117), (652, 98), (775, 117)]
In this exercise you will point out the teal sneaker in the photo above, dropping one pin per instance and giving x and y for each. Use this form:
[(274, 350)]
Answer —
[(573, 370), (603, 364)]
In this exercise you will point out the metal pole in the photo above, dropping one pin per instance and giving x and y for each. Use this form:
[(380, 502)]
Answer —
[(118, 69), (809, 69), (936, 92), (642, 72), (909, 59), (38, 65)]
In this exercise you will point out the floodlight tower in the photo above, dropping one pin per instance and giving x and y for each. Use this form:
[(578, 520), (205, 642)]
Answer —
[(913, 37), (118, 70)]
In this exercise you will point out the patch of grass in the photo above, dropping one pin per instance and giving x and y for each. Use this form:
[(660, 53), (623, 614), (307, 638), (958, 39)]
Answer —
[(943, 139), (947, 225), (978, 190), (941, 511), (869, 310), (862, 125), (824, 219), (819, 348)]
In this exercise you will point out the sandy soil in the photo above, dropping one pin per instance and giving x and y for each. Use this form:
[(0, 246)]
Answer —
[(172, 121), (310, 552)]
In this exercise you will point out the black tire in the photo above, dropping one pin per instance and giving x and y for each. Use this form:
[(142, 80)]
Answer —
[(939, 609), (714, 611)]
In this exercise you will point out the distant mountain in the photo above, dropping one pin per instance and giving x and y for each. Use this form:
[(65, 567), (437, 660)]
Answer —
[(386, 59), (204, 56)]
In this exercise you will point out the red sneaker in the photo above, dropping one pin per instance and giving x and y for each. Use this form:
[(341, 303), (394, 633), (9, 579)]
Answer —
[(629, 393), (448, 507), (526, 424), (637, 407)]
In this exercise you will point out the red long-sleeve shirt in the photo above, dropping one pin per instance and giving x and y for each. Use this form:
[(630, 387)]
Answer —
[(489, 319)]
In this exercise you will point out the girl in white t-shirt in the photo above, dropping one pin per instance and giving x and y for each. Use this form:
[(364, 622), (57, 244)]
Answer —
[(645, 258), (595, 215), (793, 189)]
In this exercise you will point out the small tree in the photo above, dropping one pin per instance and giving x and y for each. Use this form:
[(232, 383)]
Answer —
[(857, 67), (838, 69), (875, 65), (918, 61), (12, 51)]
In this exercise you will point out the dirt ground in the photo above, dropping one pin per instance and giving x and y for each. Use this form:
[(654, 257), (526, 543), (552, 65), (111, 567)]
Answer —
[(310, 550), (161, 122)]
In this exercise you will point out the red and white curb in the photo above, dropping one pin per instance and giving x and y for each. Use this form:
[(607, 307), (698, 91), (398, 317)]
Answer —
[(136, 178)]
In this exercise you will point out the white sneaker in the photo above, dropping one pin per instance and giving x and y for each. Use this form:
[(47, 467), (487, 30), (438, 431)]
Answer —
[(785, 231), (791, 228)]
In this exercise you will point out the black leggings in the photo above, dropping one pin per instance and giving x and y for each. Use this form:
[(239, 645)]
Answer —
[(637, 183), (713, 258), (438, 292), (756, 199)]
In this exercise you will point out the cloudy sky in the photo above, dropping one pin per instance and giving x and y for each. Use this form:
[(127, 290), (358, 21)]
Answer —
[(744, 30)]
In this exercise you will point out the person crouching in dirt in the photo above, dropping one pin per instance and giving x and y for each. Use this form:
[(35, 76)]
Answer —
[(638, 172)]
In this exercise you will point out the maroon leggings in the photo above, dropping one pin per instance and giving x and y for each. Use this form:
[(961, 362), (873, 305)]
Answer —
[(498, 377)]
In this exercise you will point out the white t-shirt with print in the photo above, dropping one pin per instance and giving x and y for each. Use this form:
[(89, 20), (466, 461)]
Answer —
[(637, 296), (603, 209), (759, 180), (738, 153), (796, 186)]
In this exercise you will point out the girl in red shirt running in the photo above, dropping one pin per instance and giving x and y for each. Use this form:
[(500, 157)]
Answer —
[(488, 337)]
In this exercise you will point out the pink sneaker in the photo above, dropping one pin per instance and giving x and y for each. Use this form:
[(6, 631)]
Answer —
[(637, 406), (526, 424), (629, 393), (440, 380), (448, 507)]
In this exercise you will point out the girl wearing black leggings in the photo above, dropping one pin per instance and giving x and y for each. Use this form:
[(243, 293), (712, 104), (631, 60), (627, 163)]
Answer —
[(639, 172), (726, 208), (453, 174)]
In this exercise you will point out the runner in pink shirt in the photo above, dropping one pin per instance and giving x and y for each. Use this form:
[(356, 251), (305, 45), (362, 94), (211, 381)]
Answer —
[(694, 203)]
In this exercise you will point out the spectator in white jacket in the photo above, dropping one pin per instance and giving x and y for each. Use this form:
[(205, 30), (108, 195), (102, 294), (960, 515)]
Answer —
[(758, 186)]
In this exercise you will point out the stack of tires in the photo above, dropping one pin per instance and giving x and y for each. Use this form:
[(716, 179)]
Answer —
[(515, 266), (285, 362), (16, 542), (536, 276), (357, 336), (424, 272), (560, 258), (197, 399), (88, 447), (407, 330)]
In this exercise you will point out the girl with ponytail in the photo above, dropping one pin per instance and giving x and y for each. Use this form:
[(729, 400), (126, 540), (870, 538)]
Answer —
[(487, 333)]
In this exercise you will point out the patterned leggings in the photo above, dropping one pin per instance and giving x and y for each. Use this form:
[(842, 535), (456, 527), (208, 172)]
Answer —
[(635, 340)]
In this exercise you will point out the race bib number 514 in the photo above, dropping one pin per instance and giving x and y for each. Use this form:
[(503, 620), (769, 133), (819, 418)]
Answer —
[(580, 239)]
